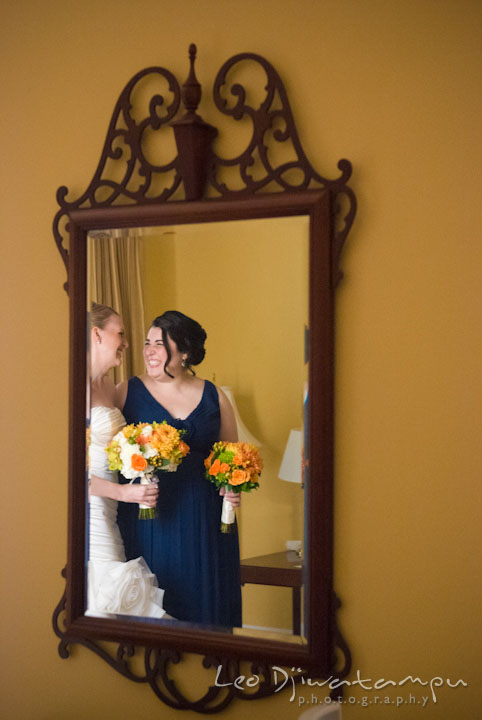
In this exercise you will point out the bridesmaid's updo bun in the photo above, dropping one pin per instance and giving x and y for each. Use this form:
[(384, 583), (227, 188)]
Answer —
[(188, 335), (99, 314)]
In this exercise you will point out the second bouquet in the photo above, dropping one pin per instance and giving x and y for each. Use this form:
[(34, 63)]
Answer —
[(139, 451), (234, 466)]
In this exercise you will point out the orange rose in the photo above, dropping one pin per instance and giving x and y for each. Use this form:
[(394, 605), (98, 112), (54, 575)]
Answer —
[(184, 448), (142, 440), (239, 477), (138, 462), (224, 467), (207, 461), (215, 467)]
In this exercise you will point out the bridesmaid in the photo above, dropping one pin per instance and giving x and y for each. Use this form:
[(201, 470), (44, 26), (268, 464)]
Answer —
[(197, 565)]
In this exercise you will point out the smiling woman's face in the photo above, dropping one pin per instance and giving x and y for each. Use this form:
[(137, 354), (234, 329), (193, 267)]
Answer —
[(113, 340), (155, 354)]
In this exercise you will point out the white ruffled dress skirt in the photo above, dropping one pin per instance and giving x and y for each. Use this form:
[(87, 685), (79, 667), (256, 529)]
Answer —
[(114, 586)]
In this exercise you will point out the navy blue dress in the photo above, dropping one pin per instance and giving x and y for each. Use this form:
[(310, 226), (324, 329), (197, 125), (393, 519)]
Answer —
[(196, 564)]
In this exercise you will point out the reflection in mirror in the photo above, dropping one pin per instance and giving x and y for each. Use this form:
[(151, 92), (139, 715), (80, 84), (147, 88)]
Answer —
[(246, 283)]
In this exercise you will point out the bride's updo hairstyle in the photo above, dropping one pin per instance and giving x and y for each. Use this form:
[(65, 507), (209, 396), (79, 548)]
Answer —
[(188, 335), (99, 314)]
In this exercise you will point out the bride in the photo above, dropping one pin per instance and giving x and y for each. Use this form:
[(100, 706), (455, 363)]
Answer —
[(114, 585)]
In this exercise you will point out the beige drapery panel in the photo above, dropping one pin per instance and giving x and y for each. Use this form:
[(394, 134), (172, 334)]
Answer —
[(114, 279)]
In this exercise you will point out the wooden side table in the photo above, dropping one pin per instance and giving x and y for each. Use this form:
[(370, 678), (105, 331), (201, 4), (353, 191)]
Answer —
[(283, 569)]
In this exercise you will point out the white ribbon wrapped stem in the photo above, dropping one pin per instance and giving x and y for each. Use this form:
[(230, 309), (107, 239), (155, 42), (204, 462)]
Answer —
[(147, 479), (228, 516)]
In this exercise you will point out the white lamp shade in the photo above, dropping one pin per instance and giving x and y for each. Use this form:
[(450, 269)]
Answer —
[(243, 433), (290, 469)]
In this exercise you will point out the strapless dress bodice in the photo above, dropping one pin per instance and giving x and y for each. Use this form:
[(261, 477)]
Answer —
[(105, 422)]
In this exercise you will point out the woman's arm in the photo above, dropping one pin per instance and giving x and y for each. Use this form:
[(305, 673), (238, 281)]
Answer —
[(143, 494), (229, 433), (228, 430)]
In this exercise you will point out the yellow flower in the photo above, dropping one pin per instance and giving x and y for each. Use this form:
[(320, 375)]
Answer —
[(129, 431), (165, 439)]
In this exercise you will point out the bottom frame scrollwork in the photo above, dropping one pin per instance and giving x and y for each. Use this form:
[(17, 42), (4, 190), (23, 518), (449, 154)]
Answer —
[(158, 662)]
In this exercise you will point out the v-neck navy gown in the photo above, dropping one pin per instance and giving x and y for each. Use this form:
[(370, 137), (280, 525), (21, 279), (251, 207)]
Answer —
[(196, 564)]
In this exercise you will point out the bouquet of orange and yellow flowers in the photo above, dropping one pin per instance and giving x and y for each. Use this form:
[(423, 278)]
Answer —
[(138, 451), (234, 466)]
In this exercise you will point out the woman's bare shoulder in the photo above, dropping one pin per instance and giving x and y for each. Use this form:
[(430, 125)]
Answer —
[(229, 430), (223, 398)]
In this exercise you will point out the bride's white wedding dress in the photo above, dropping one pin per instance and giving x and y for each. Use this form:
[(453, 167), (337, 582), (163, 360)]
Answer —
[(114, 585)]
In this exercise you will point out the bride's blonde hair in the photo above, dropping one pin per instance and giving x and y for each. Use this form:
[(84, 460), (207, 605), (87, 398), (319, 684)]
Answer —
[(99, 314)]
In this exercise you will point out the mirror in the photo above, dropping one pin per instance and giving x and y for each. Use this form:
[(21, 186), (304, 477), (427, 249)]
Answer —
[(247, 282), (298, 225), (256, 264)]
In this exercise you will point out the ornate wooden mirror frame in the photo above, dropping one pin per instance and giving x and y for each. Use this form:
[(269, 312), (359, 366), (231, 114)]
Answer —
[(263, 188)]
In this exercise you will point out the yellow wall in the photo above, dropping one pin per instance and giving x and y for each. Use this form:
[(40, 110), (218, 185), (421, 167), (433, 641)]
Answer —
[(393, 86), (158, 273)]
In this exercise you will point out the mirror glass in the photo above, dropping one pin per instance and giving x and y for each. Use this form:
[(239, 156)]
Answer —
[(247, 283)]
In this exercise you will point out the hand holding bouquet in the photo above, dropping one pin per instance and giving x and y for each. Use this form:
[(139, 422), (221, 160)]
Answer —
[(233, 466), (138, 451)]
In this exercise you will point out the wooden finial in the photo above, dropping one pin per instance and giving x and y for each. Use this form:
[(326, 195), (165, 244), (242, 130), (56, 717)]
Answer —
[(193, 136), (191, 90)]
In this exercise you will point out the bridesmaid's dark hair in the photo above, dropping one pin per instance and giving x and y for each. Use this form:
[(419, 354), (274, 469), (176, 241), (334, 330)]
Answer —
[(188, 335)]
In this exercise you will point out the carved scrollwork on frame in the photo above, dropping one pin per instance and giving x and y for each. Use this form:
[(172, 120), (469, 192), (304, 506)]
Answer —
[(126, 175), (232, 680), (273, 124)]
